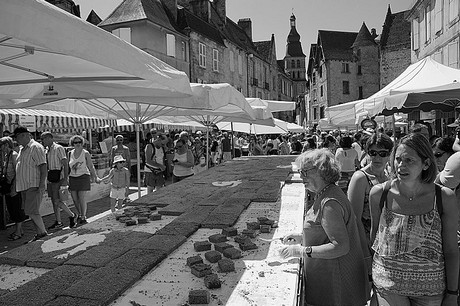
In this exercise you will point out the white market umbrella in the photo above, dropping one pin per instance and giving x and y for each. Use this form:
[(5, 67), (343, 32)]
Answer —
[(48, 54), (272, 105), (258, 129), (295, 128)]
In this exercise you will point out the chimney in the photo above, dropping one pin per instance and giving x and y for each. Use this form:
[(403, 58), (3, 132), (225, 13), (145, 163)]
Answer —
[(246, 25), (219, 6), (202, 9), (373, 33), (171, 5)]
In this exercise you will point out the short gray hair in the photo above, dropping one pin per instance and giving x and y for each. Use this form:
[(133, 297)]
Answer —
[(324, 161)]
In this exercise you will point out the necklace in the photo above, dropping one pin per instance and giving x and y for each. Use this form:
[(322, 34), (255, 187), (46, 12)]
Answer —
[(323, 190), (411, 198)]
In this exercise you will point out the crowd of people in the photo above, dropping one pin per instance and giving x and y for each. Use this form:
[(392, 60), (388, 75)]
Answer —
[(381, 226)]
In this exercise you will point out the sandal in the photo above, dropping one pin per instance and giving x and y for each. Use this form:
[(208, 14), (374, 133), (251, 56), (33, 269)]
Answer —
[(14, 237)]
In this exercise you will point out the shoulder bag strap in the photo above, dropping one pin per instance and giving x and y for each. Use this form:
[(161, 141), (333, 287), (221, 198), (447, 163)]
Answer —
[(383, 198), (368, 178), (438, 198)]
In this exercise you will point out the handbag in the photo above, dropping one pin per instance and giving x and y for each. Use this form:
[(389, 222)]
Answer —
[(54, 176)]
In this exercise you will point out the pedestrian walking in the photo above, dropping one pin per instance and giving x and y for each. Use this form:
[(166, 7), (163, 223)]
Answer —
[(57, 177), (119, 178), (30, 177)]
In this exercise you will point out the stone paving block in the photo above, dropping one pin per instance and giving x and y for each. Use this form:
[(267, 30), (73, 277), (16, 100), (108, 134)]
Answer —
[(103, 285), (216, 238), (138, 260), (232, 253), (229, 208), (178, 229), (234, 200), (200, 246), (19, 256), (242, 239), (212, 281), (193, 260), (226, 265), (253, 225), (221, 246), (3, 292), (201, 269), (127, 239), (199, 297), (213, 256), (175, 209), (220, 220), (98, 256), (71, 301), (46, 287), (166, 243), (196, 215), (230, 231), (155, 217)]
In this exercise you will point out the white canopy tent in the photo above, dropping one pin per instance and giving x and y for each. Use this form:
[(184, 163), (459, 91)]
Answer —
[(426, 75), (272, 105), (281, 127)]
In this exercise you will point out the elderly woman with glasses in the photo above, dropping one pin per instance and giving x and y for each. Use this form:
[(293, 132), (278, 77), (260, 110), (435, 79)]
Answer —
[(81, 169), (330, 244), (414, 223)]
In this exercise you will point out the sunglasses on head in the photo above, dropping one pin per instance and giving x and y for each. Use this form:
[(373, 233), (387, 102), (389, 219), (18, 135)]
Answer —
[(439, 154), (380, 153), (77, 142)]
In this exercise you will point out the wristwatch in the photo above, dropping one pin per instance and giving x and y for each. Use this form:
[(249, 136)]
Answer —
[(308, 251), (453, 292)]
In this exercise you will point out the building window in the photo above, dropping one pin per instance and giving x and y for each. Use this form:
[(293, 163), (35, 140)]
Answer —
[(202, 56), (345, 68), (184, 50), (321, 90), (292, 64), (427, 23), (315, 111), (240, 64), (438, 13), (123, 33), (415, 34), (320, 70), (170, 45), (321, 112), (298, 63), (359, 70), (453, 54), (453, 10), (232, 61), (215, 60), (360, 92), (346, 87)]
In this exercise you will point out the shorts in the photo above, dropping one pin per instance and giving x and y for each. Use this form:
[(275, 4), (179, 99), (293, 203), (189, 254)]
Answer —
[(80, 183), (53, 191), (14, 206), (154, 180), (31, 200), (176, 178), (118, 193)]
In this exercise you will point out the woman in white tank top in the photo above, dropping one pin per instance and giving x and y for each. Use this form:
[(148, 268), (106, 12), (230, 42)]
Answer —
[(183, 161), (81, 169)]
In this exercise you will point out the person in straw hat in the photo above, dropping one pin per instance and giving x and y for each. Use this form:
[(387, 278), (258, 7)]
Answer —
[(119, 179)]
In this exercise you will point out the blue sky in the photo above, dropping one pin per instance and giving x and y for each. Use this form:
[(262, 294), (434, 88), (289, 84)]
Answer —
[(272, 16)]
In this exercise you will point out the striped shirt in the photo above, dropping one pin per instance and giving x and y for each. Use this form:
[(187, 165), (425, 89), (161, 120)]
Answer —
[(29, 160), (54, 156)]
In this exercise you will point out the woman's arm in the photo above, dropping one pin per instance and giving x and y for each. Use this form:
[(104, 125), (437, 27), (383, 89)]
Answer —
[(374, 204), (356, 193), (108, 176), (91, 168), (334, 225), (449, 220)]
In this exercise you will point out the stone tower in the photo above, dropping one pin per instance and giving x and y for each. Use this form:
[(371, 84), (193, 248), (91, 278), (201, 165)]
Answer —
[(294, 64)]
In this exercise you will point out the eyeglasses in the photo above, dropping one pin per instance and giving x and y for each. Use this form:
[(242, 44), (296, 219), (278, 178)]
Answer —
[(77, 142), (304, 172), (119, 140), (380, 153), (439, 154)]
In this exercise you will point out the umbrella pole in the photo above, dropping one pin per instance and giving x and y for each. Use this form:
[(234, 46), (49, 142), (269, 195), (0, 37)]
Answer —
[(233, 144), (207, 144), (393, 123), (137, 128)]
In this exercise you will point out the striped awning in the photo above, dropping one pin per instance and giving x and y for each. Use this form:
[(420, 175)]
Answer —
[(49, 120), (161, 125)]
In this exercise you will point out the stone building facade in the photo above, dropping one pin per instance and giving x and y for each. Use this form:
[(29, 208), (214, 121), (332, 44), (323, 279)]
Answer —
[(197, 37)]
